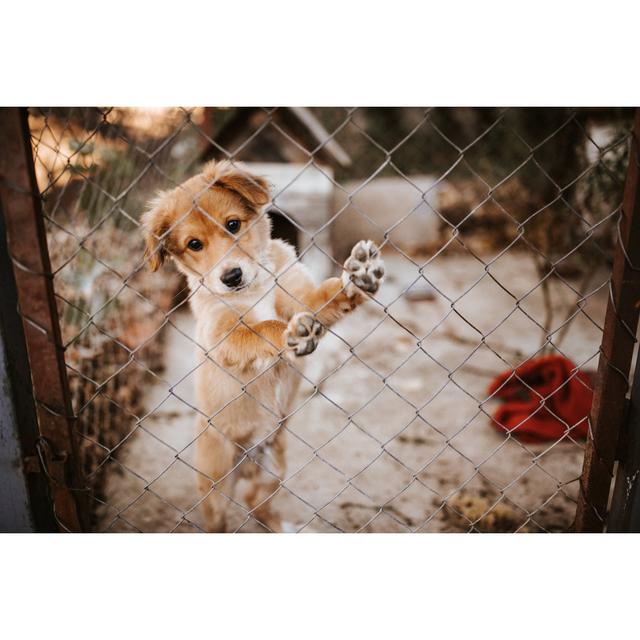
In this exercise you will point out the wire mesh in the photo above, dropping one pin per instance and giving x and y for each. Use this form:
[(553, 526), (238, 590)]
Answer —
[(496, 227)]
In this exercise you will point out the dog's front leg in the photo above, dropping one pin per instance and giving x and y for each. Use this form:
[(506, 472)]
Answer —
[(247, 344), (363, 273), (244, 345)]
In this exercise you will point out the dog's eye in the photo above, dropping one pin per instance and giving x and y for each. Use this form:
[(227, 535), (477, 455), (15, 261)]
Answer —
[(195, 244), (233, 225)]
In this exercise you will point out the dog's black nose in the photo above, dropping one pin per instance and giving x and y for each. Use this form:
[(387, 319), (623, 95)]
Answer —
[(232, 277)]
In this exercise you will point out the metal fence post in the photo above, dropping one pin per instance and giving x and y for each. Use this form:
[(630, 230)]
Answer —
[(27, 247), (625, 504), (25, 502), (609, 401)]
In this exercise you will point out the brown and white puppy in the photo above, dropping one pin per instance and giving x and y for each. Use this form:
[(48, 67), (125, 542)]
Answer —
[(257, 311)]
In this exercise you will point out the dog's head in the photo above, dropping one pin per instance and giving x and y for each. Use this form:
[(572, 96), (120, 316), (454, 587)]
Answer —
[(212, 227)]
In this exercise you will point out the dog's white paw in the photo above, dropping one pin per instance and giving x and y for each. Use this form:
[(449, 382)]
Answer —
[(288, 527), (303, 333), (363, 269)]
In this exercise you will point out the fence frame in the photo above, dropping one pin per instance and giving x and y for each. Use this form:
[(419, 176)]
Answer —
[(55, 449)]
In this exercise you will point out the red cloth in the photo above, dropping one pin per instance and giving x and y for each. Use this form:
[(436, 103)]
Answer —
[(567, 398)]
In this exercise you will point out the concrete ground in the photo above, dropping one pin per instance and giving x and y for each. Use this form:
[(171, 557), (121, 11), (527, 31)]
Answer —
[(397, 437)]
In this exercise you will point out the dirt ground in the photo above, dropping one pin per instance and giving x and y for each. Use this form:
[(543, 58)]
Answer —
[(398, 436)]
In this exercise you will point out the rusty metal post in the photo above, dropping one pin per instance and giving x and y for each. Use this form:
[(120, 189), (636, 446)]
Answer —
[(609, 400), (624, 514), (27, 243), (25, 501)]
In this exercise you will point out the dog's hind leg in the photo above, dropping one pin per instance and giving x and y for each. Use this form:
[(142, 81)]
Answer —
[(215, 457), (265, 475)]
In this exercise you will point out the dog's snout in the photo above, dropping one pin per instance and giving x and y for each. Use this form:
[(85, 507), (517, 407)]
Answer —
[(232, 277)]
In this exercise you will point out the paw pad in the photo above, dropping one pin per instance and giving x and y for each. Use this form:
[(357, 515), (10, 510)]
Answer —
[(303, 333), (364, 268)]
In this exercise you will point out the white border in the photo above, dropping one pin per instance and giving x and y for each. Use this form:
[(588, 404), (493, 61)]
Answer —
[(334, 52), (318, 586)]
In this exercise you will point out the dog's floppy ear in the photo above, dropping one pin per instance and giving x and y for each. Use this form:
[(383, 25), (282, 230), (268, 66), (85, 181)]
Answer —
[(155, 225), (253, 189)]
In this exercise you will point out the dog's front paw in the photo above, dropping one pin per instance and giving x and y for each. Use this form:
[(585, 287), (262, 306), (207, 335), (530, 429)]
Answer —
[(303, 333), (363, 269)]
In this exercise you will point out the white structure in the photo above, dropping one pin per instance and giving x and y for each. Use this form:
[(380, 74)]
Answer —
[(305, 195), (403, 209)]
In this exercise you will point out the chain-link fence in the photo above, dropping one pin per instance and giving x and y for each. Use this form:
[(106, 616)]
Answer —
[(455, 398)]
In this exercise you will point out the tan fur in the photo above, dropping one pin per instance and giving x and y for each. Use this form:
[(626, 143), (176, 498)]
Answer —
[(248, 379)]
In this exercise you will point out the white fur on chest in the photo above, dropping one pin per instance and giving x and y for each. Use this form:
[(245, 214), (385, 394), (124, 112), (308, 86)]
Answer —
[(264, 308)]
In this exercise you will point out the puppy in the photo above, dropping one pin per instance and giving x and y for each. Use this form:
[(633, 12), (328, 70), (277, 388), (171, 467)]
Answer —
[(258, 311)]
